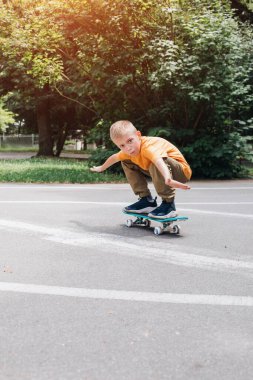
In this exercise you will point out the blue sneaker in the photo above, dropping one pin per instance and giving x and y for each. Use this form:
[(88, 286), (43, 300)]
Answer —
[(143, 206), (165, 210)]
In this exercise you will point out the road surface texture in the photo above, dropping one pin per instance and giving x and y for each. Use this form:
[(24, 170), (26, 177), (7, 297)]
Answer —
[(82, 296)]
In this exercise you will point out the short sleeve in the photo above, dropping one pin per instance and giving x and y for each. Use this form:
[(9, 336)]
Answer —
[(121, 156)]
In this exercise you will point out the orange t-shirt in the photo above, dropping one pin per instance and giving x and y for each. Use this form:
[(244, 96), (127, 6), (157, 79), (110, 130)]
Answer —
[(153, 148)]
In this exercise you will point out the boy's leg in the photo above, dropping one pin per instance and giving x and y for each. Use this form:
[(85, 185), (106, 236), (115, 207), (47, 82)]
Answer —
[(166, 192), (136, 178), (138, 181), (167, 209)]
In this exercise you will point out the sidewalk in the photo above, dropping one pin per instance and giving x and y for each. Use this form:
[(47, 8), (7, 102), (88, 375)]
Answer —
[(24, 155)]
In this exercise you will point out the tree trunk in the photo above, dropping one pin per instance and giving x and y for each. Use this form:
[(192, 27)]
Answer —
[(61, 138), (45, 134)]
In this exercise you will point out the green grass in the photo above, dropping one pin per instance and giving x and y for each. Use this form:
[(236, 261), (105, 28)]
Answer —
[(41, 170)]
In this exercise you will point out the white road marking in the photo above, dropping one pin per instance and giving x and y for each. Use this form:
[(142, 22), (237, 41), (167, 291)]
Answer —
[(218, 213), (108, 187), (196, 211), (223, 188), (123, 203), (67, 202), (119, 245), (190, 299)]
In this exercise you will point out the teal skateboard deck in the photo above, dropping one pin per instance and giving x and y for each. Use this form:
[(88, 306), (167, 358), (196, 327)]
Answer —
[(165, 223)]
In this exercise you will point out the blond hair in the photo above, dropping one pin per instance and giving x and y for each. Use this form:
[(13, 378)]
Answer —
[(121, 128)]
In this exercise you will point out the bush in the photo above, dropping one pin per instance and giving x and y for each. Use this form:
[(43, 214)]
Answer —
[(99, 156), (218, 156)]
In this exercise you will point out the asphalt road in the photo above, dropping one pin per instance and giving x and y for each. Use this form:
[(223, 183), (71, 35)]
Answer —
[(84, 297)]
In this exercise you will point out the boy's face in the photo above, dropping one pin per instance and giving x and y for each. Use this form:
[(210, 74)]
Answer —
[(129, 143)]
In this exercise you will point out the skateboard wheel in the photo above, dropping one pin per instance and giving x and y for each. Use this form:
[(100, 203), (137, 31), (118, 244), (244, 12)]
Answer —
[(147, 223), (158, 231), (176, 229), (129, 223)]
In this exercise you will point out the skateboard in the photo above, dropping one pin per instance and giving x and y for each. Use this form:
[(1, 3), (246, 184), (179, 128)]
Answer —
[(165, 223)]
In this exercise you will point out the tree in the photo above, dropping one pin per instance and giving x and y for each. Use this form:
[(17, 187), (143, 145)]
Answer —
[(206, 76), (181, 69), (30, 62)]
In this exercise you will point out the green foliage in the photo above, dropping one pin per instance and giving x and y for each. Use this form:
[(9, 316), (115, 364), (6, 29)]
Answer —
[(218, 156), (100, 155), (206, 73), (6, 117), (208, 68), (100, 134), (29, 45)]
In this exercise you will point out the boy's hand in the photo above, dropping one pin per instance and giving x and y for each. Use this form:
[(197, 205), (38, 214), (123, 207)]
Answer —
[(97, 169), (176, 184)]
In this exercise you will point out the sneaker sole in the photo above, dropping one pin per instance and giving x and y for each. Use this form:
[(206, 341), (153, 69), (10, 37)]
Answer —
[(172, 214), (142, 211)]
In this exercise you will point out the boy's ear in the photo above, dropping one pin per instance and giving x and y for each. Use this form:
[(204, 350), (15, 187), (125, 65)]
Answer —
[(138, 133)]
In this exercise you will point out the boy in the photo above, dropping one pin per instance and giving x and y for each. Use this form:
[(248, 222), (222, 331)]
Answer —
[(155, 157)]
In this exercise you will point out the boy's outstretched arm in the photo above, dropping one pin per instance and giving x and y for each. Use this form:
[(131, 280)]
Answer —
[(109, 162), (163, 169)]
